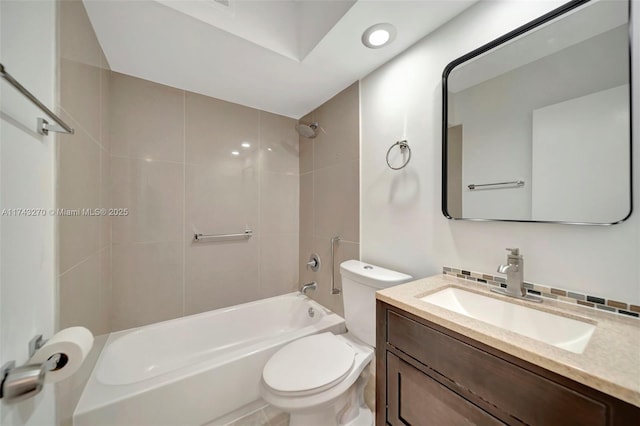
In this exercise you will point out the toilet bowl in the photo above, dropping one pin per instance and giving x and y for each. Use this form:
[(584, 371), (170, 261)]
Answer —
[(320, 379)]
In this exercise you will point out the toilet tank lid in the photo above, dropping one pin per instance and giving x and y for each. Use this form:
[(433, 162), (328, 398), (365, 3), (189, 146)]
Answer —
[(371, 275)]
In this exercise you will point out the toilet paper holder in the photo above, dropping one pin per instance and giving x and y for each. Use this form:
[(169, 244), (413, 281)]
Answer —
[(35, 344), (26, 381), (55, 362)]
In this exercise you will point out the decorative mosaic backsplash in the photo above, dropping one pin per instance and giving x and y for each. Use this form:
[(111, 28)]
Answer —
[(596, 302)]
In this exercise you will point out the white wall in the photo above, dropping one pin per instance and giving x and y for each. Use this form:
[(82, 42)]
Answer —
[(27, 48), (402, 226), (578, 151), (497, 117)]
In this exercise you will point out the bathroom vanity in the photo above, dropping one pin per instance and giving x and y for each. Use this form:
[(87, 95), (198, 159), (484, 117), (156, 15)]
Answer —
[(438, 367)]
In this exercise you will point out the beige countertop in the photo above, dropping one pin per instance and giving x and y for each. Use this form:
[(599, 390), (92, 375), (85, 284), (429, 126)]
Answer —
[(609, 363)]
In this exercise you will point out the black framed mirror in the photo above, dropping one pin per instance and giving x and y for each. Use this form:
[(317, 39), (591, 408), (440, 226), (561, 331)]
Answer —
[(537, 123)]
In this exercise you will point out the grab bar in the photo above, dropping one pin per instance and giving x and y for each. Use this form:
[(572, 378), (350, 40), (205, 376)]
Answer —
[(334, 290), (201, 237), (517, 183), (43, 125)]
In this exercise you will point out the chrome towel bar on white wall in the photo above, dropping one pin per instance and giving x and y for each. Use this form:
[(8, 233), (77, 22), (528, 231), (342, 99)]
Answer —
[(43, 125), (517, 183)]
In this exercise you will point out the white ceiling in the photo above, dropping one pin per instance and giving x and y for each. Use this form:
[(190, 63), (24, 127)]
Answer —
[(282, 56), (584, 22)]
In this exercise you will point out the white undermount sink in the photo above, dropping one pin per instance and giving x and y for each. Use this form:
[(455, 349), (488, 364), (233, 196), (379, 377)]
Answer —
[(562, 332)]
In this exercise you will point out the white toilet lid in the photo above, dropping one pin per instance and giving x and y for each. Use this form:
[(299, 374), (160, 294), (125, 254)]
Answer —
[(310, 363)]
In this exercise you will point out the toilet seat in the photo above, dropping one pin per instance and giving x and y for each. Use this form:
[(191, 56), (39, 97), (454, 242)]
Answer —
[(309, 365), (330, 393)]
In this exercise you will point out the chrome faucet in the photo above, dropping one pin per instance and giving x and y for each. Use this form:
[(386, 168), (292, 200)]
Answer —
[(515, 273), (515, 277), (310, 286)]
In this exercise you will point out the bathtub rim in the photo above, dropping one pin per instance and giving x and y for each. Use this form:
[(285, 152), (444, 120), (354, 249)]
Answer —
[(97, 394)]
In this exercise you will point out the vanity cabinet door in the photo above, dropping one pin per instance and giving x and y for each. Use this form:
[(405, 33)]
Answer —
[(518, 392), (429, 375), (416, 399)]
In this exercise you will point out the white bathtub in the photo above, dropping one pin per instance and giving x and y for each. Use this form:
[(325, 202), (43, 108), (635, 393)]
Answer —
[(192, 370)]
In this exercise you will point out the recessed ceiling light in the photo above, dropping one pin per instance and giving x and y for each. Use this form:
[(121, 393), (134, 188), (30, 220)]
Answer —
[(378, 35), (235, 152), (246, 145)]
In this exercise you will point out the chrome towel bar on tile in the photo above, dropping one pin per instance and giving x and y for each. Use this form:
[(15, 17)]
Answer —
[(517, 183), (244, 235), (43, 125)]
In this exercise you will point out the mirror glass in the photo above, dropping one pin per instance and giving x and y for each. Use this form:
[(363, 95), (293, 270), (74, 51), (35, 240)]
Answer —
[(536, 125)]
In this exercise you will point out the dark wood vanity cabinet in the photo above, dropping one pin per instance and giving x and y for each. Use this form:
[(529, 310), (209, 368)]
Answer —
[(428, 375)]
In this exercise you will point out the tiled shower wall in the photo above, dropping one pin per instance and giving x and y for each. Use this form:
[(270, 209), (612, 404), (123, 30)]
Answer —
[(173, 167), (166, 156), (82, 169), (329, 192)]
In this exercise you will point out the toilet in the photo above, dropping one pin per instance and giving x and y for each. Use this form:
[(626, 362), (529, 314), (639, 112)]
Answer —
[(320, 379)]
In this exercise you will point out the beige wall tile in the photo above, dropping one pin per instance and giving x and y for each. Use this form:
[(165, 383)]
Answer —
[(245, 164), (279, 205), (278, 144), (339, 138), (146, 119), (105, 198), (146, 283), (329, 192), (343, 251), (306, 147), (279, 264), (223, 193), (76, 38), (105, 289), (220, 203), (221, 273), (306, 249), (83, 169), (153, 193), (84, 290), (306, 204), (214, 128), (80, 296), (78, 186), (105, 98), (80, 94), (336, 201)]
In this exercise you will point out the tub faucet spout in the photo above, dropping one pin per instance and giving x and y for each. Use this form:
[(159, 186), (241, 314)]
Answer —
[(310, 286)]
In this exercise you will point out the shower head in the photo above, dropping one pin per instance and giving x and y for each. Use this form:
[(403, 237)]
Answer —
[(307, 130)]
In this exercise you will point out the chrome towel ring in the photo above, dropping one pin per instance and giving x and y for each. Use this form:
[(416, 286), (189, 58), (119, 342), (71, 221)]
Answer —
[(404, 146)]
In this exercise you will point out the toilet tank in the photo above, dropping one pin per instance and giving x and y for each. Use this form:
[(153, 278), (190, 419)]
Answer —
[(360, 281)]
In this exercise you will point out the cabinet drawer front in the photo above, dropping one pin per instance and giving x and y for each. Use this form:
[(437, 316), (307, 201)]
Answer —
[(417, 399), (518, 392)]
